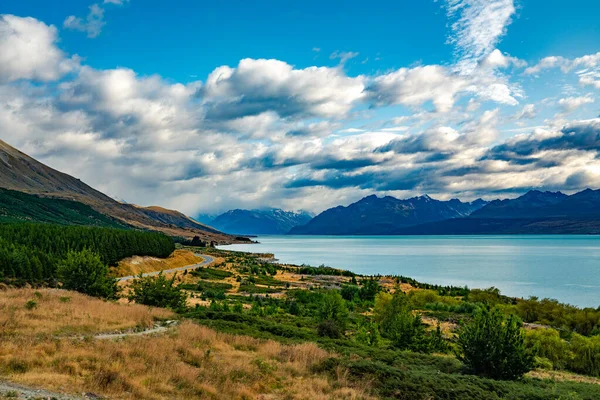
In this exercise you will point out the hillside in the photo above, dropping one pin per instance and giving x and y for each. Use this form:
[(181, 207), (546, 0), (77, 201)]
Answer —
[(272, 221), (22, 207), (380, 216), (22, 173)]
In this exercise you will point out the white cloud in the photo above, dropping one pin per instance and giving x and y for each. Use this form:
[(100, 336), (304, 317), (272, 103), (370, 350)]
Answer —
[(92, 25), (498, 60), (256, 86), (267, 133), (479, 27), (588, 75), (28, 51), (343, 56), (570, 104), (415, 86), (528, 112), (546, 63)]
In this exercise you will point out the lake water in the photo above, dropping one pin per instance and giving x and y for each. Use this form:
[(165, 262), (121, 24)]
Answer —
[(566, 268)]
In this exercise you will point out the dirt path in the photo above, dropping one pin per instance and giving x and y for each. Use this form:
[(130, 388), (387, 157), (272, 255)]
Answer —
[(16, 391), (155, 329), (207, 261), (13, 391)]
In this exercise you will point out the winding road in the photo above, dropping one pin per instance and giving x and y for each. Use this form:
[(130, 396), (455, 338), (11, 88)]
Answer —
[(207, 261)]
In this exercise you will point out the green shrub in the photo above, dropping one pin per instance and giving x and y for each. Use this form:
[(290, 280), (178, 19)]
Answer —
[(158, 291), (547, 344), (84, 272), (332, 315), (31, 304), (493, 345), (398, 323), (586, 354)]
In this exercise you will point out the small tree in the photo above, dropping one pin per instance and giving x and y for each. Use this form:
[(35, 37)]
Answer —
[(397, 321), (84, 272), (332, 314), (493, 345), (158, 291)]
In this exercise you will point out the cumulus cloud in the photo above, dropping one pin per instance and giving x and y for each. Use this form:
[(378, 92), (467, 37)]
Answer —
[(265, 132), (570, 104), (257, 86), (28, 50), (498, 60), (415, 86)]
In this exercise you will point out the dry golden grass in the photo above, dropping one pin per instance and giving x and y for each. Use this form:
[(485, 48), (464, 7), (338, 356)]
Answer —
[(136, 264), (61, 312), (189, 361), (562, 376)]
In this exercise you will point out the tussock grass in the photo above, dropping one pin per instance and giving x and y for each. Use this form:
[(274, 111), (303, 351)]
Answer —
[(189, 361), (54, 312), (136, 265)]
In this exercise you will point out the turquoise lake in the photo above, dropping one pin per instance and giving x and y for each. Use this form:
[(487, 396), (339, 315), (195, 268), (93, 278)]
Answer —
[(566, 268)]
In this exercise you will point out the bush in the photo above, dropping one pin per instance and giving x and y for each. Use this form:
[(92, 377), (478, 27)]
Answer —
[(330, 329), (31, 304), (493, 345), (84, 272), (586, 354), (405, 330), (547, 344), (332, 314), (369, 289), (158, 291)]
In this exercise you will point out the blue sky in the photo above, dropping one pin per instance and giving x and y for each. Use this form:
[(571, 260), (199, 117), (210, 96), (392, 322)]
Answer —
[(203, 106), (194, 37)]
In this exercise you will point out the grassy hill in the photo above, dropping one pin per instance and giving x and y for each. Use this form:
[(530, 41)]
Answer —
[(22, 207)]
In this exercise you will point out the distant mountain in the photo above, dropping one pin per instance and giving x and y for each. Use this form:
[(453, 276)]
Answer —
[(21, 173), (383, 216), (205, 219), (526, 206), (272, 221), (533, 213)]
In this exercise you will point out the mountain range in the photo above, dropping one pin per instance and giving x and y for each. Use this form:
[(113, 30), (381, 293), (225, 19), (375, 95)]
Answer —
[(32, 191), (533, 213), (272, 221), (35, 192), (373, 215)]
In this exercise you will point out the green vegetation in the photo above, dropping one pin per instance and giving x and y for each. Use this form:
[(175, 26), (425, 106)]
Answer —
[(158, 291), (84, 272), (493, 345), (432, 342), (211, 273), (23, 207), (31, 253), (404, 329)]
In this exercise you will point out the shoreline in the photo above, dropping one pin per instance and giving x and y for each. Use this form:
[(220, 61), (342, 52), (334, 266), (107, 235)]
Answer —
[(573, 293)]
